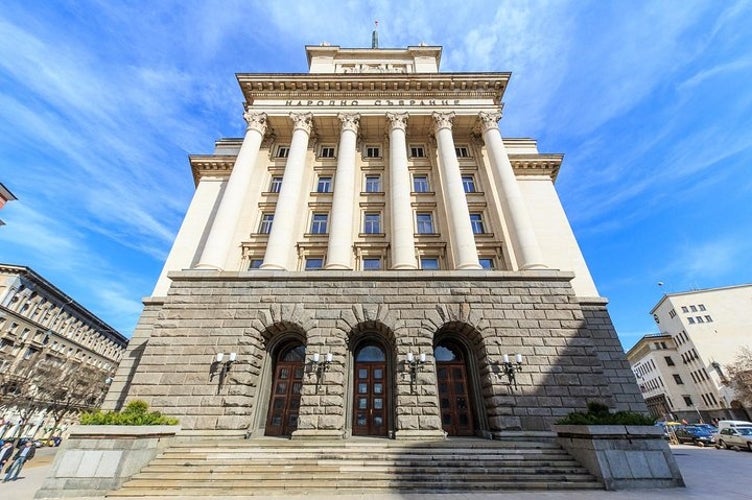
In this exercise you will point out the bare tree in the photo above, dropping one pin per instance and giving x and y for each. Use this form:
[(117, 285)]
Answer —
[(740, 376)]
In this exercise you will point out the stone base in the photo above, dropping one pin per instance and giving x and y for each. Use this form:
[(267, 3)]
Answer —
[(420, 434), (317, 434)]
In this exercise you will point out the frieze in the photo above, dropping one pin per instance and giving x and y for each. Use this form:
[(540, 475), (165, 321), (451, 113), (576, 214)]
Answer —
[(371, 102)]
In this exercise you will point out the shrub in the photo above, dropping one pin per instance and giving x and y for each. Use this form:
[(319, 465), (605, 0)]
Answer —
[(599, 414), (135, 413)]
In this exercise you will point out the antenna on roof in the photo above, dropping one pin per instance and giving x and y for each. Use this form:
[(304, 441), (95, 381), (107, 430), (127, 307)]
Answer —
[(375, 36)]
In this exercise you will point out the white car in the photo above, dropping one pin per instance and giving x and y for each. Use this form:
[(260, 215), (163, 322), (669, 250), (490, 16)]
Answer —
[(735, 437)]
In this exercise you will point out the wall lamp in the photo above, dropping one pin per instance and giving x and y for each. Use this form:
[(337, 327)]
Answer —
[(511, 369), (414, 362), (322, 362), (218, 362)]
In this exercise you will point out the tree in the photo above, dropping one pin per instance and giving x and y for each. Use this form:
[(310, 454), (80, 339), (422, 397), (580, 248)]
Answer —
[(740, 376)]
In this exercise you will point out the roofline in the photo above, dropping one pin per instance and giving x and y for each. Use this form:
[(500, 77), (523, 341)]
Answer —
[(699, 290), (645, 338), (5, 193), (69, 301)]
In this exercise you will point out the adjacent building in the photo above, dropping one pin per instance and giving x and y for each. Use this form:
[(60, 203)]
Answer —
[(5, 196), (374, 258), (682, 370), (55, 355)]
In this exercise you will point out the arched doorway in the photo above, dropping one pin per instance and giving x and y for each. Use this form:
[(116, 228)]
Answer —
[(284, 403), (370, 391), (454, 393)]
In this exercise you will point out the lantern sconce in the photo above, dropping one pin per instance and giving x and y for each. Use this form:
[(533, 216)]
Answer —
[(322, 362), (415, 361), (510, 369), (218, 365)]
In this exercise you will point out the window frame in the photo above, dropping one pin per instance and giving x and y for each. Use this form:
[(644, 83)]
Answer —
[(417, 148), (476, 222), (313, 259), (368, 183), (324, 150), (462, 151), (319, 223), (425, 186), (275, 186), (367, 223), (471, 183), (326, 181), (372, 151), (420, 225), (283, 151), (266, 223), (429, 258)]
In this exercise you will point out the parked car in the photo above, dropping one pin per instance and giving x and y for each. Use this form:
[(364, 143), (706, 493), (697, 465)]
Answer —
[(696, 434), (735, 437)]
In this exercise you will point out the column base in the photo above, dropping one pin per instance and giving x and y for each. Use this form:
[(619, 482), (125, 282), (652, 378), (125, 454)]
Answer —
[(469, 266), (409, 267), (533, 266), (337, 267), (272, 267), (207, 267)]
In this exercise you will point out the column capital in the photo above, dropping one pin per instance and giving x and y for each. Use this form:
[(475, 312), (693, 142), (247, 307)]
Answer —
[(489, 120), (303, 121), (255, 121), (350, 121), (442, 120), (397, 120)]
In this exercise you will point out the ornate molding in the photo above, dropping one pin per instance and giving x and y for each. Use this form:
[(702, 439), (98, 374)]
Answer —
[(302, 121), (442, 120), (350, 121), (255, 121), (489, 121), (398, 121)]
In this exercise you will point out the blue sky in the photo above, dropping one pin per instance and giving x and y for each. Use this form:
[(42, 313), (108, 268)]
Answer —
[(651, 103)]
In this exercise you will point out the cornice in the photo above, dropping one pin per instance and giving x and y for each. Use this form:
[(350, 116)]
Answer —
[(215, 165), (541, 164)]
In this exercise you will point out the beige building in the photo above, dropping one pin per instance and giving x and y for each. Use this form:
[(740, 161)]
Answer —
[(5, 196), (682, 371), (42, 326), (374, 258)]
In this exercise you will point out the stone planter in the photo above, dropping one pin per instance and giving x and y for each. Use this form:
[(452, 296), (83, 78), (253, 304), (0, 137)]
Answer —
[(622, 456), (96, 459)]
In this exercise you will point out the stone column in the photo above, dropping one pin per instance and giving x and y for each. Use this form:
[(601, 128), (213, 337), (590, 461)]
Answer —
[(281, 237), (223, 226), (403, 241), (524, 241), (460, 230), (339, 254)]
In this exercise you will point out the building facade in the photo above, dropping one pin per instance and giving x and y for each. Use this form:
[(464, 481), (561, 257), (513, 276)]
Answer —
[(370, 259), (55, 355), (5, 196), (682, 371)]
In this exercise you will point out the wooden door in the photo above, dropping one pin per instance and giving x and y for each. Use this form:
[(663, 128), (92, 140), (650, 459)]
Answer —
[(454, 394), (284, 404), (371, 395)]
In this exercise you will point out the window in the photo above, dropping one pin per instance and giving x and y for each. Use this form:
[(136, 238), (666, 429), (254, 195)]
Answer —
[(283, 151), (30, 352), (429, 263), (678, 379), (687, 400), (693, 308), (327, 151), (672, 314), (324, 185), (699, 319), (314, 263), (476, 220), (255, 263), (708, 319), (372, 263), (276, 184), (420, 183), (468, 183), (424, 223), (691, 319), (319, 223), (701, 307), (372, 223), (373, 183), (486, 262), (373, 152), (669, 361), (685, 309), (462, 152), (417, 152), (266, 223)]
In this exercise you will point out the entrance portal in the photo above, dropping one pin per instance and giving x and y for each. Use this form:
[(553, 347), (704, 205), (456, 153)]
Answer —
[(370, 400), (284, 404), (451, 373)]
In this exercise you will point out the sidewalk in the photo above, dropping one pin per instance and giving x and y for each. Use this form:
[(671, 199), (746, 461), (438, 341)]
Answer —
[(708, 473)]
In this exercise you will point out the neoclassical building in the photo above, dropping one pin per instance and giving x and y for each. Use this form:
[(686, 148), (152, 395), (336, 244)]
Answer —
[(373, 257)]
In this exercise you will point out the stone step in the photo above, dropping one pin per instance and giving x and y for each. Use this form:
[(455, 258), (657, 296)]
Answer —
[(283, 444), (163, 464), (252, 477)]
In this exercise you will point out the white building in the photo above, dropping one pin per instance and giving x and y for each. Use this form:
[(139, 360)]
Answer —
[(684, 367), (368, 257)]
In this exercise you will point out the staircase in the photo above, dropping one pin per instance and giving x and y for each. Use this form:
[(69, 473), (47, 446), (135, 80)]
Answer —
[(276, 467)]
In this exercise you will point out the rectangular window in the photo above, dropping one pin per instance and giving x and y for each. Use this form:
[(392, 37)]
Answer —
[(468, 183), (678, 379), (319, 223), (669, 361), (283, 151), (255, 263), (462, 152), (266, 223), (424, 223), (373, 183), (327, 151), (429, 263), (708, 319), (693, 308), (687, 400), (476, 221), (324, 185), (486, 262), (372, 223), (276, 184), (684, 309), (417, 152), (701, 307), (691, 319), (314, 263), (373, 152), (372, 263), (420, 183), (699, 319)]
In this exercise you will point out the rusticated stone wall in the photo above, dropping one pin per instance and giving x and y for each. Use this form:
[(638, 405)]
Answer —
[(571, 352)]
